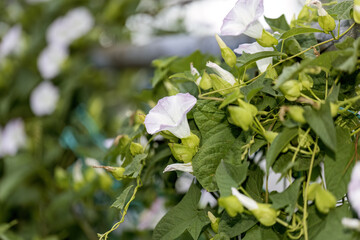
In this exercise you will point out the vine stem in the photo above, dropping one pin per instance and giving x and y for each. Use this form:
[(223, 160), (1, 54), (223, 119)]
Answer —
[(306, 234), (302, 140)]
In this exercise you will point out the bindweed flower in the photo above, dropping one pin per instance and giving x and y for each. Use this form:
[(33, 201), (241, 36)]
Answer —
[(12, 138), (255, 48), (206, 200), (227, 54), (184, 167), (170, 114), (326, 22), (354, 189), (44, 98), (68, 28), (10, 41), (357, 11), (50, 60), (222, 73), (243, 19)]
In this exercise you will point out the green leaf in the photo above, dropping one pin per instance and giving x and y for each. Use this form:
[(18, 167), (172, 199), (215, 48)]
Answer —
[(278, 24), (288, 73), (254, 183), (342, 10), (246, 59), (121, 199), (322, 123), (279, 143), (328, 226), (229, 175), (184, 216), (337, 168), (134, 168), (347, 43), (184, 76), (261, 233), (287, 198), (234, 226), (230, 98), (297, 31), (221, 236)]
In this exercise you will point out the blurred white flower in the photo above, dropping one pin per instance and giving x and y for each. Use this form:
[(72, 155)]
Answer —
[(93, 162), (68, 28), (50, 60), (184, 182), (44, 98), (354, 189), (184, 167), (12, 138), (77, 171), (10, 41), (351, 223), (206, 199), (255, 48), (150, 217)]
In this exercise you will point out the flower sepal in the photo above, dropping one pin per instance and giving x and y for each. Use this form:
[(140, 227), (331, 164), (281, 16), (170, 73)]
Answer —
[(136, 148), (291, 89), (182, 152), (231, 204), (267, 39), (265, 214), (227, 54)]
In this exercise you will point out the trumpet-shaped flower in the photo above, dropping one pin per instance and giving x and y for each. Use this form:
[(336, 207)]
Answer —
[(255, 48), (243, 18), (354, 189), (44, 98), (222, 73), (12, 138), (184, 167), (10, 41), (170, 114)]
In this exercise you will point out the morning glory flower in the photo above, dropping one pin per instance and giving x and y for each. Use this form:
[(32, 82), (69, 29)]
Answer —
[(184, 167), (170, 114), (12, 138), (50, 60), (354, 189), (44, 98), (10, 41), (243, 18), (244, 200), (222, 73), (255, 48)]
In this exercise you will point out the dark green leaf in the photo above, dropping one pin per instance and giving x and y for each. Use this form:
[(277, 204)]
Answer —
[(341, 10), (121, 199), (230, 98), (234, 226), (278, 24), (134, 168), (297, 31), (261, 233), (254, 183)]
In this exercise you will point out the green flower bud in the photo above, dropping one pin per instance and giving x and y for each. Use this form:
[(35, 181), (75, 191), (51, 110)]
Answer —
[(265, 214), (327, 23), (267, 39), (227, 54), (122, 140), (136, 148), (356, 11), (248, 107), (117, 172), (205, 82), (241, 117), (296, 113), (270, 136), (139, 117), (181, 152), (191, 141), (312, 190), (334, 108), (305, 80), (218, 83), (231, 204), (325, 200), (214, 222), (291, 89)]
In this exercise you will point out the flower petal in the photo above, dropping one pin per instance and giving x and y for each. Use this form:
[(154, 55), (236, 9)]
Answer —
[(170, 114), (222, 73), (246, 201), (184, 167), (13, 137), (254, 48), (44, 98), (354, 189), (11, 41)]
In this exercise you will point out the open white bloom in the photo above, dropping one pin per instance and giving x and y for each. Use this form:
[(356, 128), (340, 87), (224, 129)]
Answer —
[(255, 48), (222, 73), (10, 41), (243, 18), (68, 28), (50, 60), (12, 138), (170, 114), (184, 167), (244, 200), (354, 189), (44, 98)]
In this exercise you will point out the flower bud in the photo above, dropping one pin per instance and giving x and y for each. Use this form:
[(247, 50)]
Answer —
[(307, 142), (218, 83), (136, 148), (117, 172), (241, 117), (356, 11), (291, 89), (312, 190), (334, 109), (270, 136), (231, 204), (265, 214), (296, 113), (139, 117), (222, 73), (248, 107), (191, 141), (267, 39), (305, 80), (205, 82), (181, 152), (324, 200), (327, 23), (122, 140), (227, 54), (214, 222)]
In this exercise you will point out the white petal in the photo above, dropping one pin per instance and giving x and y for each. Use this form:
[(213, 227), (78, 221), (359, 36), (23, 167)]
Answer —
[(206, 199), (354, 189), (184, 167), (225, 75), (184, 182), (170, 114), (10, 41), (246, 201), (254, 48), (44, 98), (254, 30), (13, 137), (50, 60), (351, 223)]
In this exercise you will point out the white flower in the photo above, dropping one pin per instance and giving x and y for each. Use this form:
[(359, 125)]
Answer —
[(244, 200), (354, 189), (73, 25), (170, 114), (351, 223), (50, 60), (12, 138), (207, 199), (243, 18), (44, 98), (195, 73), (10, 41), (255, 48), (184, 182), (150, 217), (222, 73), (184, 167)]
